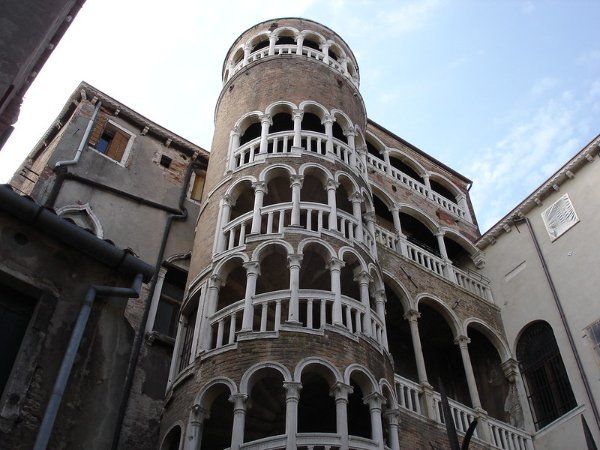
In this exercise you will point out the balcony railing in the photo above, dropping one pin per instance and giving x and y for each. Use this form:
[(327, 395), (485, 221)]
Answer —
[(501, 435), (313, 217), (315, 308), (416, 186), (311, 441), (280, 143), (292, 49), (472, 283)]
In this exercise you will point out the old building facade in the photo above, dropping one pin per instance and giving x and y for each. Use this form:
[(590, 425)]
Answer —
[(318, 278)]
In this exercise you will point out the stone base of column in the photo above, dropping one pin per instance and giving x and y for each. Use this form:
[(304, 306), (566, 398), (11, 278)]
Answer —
[(297, 149), (428, 403), (293, 324), (483, 430)]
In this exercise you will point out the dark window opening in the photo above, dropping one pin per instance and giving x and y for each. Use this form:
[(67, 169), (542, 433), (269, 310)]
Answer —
[(405, 168), (234, 289), (342, 201), (16, 310), (338, 133), (333, 55), (373, 150), (316, 408), (188, 338), (281, 122), (165, 161), (313, 190), (279, 191), (286, 40), (217, 427), (383, 214), (312, 122), (313, 272), (359, 416), (546, 380), (261, 44), (274, 272), (252, 132), (244, 202), (457, 254), (399, 337), (171, 296), (112, 142), (419, 234), (444, 192), (265, 415), (171, 441), (311, 44)]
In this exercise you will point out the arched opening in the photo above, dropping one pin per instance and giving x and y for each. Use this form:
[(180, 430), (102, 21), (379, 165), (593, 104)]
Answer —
[(234, 284), (274, 272), (252, 131), (217, 427), (314, 273), (279, 190), (312, 122), (458, 255), (262, 43), (172, 439), (316, 409), (442, 356), (350, 286), (383, 215), (237, 57), (82, 218), (313, 186), (310, 43), (442, 190), (265, 415), (399, 336), (492, 385), (333, 54), (338, 133), (243, 194), (282, 121), (546, 381), (286, 38), (351, 69), (359, 416), (388, 404), (403, 167), (417, 233), (374, 149), (342, 195)]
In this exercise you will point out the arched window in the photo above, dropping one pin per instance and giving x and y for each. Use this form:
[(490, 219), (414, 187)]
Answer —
[(405, 168), (281, 122), (383, 215), (312, 122), (338, 133), (316, 409), (311, 44), (265, 415), (442, 190), (217, 426), (261, 44), (172, 439), (253, 131), (359, 417), (546, 380)]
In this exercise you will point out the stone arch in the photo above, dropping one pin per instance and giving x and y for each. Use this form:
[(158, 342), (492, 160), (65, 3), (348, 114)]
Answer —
[(259, 251), (376, 276), (421, 216), (237, 55), (333, 372), (245, 382), (341, 174), (368, 203), (84, 215), (277, 167), (308, 33), (315, 108), (382, 194), (441, 179), (461, 240), (201, 396), (359, 140), (344, 250), (325, 173), (280, 106), (375, 142), (339, 52), (499, 343), (401, 292), (437, 304), (319, 243), (247, 119), (342, 118), (257, 38), (366, 380), (409, 160), (175, 431), (294, 31), (388, 393), (233, 188), (223, 267)]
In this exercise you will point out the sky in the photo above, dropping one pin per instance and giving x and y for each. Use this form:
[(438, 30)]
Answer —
[(505, 92)]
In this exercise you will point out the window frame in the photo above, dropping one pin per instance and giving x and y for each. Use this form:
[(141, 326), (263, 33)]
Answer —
[(128, 146), (191, 186)]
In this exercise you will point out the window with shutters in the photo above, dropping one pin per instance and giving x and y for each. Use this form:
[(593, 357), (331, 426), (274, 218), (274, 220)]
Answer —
[(559, 217), (197, 185), (113, 141)]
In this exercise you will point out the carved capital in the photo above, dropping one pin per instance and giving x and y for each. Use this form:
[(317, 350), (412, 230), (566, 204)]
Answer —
[(375, 400), (252, 267), (510, 367), (462, 341), (266, 119), (235, 131), (215, 281), (296, 180), (340, 391), (327, 120), (479, 260), (260, 186), (239, 401), (369, 217), (335, 264), (363, 277), (294, 261), (228, 200), (331, 184), (412, 315), (292, 390), (356, 197), (297, 114)]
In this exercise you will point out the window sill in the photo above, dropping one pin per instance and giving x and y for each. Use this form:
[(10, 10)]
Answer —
[(119, 163)]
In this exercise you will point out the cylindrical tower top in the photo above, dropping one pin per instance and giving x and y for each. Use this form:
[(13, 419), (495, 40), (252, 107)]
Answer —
[(291, 36)]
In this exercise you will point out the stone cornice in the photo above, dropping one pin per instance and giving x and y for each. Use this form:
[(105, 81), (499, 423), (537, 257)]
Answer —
[(552, 184)]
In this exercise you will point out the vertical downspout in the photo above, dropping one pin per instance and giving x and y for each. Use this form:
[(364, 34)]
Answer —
[(139, 336), (563, 318)]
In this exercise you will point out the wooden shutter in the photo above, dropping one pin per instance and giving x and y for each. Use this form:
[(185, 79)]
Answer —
[(198, 186), (117, 145), (98, 129)]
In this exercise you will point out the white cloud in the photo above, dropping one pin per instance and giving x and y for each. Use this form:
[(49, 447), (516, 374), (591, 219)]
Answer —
[(409, 16), (544, 85)]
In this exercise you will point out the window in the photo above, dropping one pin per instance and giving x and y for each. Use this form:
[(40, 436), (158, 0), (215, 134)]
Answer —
[(197, 185), (16, 310), (113, 142), (559, 217), (171, 295), (548, 388), (188, 338)]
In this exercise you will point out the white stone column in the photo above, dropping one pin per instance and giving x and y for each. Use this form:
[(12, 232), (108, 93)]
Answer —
[(396, 217), (239, 420), (272, 41), (247, 50), (328, 122), (340, 392), (335, 267), (193, 432), (344, 64), (463, 344), (292, 397), (357, 200), (380, 300), (325, 50), (363, 280), (374, 401), (510, 367), (160, 279), (300, 43), (391, 417), (296, 182), (350, 135), (252, 273), (386, 158), (265, 123), (234, 144), (426, 181), (401, 246), (331, 187), (297, 114), (226, 204), (448, 266), (294, 264), (370, 219), (212, 298), (412, 315), (260, 189), (463, 204)]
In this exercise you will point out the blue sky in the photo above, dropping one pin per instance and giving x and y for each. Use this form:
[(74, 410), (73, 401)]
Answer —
[(502, 91)]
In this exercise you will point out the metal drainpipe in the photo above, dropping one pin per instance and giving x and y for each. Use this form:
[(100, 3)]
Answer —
[(66, 366), (84, 139), (139, 336), (563, 318)]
